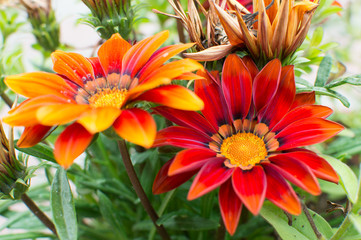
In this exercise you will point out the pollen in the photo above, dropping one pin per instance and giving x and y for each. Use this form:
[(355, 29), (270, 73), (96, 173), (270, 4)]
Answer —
[(107, 97), (243, 150)]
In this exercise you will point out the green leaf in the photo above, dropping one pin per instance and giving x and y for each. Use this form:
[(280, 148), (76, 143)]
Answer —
[(300, 228), (323, 71), (183, 222), (353, 80), (317, 37), (40, 150), (356, 221), (62, 206), (28, 235), (326, 92), (348, 179)]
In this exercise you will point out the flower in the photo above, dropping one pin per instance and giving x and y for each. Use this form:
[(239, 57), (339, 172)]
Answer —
[(247, 140), (275, 30), (96, 93)]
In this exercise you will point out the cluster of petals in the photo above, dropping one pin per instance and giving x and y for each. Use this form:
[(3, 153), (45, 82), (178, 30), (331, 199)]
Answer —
[(90, 95), (247, 140)]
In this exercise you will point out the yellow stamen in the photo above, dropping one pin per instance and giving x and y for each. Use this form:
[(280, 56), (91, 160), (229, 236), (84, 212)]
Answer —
[(108, 98), (244, 150)]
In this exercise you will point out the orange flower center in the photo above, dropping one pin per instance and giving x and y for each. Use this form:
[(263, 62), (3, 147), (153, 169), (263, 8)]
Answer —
[(244, 150), (108, 98)]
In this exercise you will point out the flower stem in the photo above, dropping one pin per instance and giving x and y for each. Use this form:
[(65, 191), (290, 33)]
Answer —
[(310, 220), (221, 231), (6, 99), (38, 213), (139, 189)]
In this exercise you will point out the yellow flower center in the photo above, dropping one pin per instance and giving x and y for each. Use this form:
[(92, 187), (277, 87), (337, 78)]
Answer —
[(108, 98), (244, 150)]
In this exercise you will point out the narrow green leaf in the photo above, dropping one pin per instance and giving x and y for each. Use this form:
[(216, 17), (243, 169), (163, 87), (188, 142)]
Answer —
[(175, 221), (317, 37), (28, 235), (62, 206), (348, 179), (323, 71), (326, 92), (353, 80), (40, 150)]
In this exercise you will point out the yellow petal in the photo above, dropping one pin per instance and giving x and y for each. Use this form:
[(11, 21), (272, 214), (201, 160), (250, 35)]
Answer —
[(98, 119)]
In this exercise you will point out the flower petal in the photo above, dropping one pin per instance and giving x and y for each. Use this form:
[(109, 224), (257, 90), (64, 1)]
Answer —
[(98, 119), (230, 206), (173, 96), (213, 53), (237, 86), (307, 132), (211, 175), (72, 65), (305, 98), (33, 135), (71, 143), (39, 83), (111, 54), (250, 186), (164, 183), (137, 126), (97, 67), (189, 160), (58, 114), (266, 83), (297, 173), (280, 192), (252, 67), (181, 137)]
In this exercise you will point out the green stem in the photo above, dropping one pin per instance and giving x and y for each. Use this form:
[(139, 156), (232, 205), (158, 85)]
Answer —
[(221, 231), (38, 213), (6, 99), (139, 189), (342, 229), (310, 220)]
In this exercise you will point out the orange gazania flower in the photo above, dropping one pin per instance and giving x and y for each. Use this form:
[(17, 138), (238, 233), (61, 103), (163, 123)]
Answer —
[(96, 93), (247, 140)]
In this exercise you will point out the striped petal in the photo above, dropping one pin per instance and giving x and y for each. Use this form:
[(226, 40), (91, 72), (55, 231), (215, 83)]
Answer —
[(297, 173), (97, 67), (189, 160), (139, 54), (251, 66), (307, 132), (164, 183), (98, 119), (58, 114), (230, 206), (111, 54), (211, 175), (173, 96), (305, 98), (280, 192), (137, 126), (39, 83), (266, 84), (71, 143), (181, 137), (72, 65), (237, 86), (250, 186), (33, 135)]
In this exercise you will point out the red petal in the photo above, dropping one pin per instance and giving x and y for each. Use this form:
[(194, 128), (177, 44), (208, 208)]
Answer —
[(252, 67), (319, 166), (250, 187), (230, 206), (181, 137), (211, 175), (186, 119), (111, 53), (302, 112), (97, 67), (71, 143), (281, 102), (190, 159), (137, 126), (297, 173), (33, 135), (164, 183), (307, 132), (280, 192), (305, 98), (215, 106), (266, 83), (237, 86)]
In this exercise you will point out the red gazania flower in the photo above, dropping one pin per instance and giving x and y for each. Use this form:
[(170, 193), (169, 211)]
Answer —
[(247, 140), (96, 93)]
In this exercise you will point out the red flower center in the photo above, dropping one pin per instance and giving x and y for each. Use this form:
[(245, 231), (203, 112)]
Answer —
[(243, 150)]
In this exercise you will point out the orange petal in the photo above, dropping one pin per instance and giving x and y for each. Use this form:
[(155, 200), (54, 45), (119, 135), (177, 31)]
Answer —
[(72, 65), (112, 52), (211, 54), (60, 113), (174, 96), (140, 53), (98, 119), (71, 143), (136, 126), (33, 135), (39, 83)]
